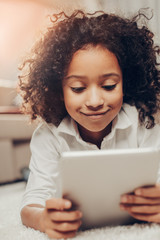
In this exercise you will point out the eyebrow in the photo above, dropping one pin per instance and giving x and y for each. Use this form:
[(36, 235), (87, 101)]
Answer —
[(75, 76), (110, 75), (102, 76)]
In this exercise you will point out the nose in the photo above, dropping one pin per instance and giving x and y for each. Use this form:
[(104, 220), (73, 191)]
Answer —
[(94, 99)]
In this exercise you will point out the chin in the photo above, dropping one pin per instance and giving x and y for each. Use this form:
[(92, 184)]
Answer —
[(94, 129)]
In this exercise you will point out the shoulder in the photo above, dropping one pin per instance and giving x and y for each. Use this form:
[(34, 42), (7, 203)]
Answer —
[(144, 137), (48, 133), (149, 137), (43, 130), (44, 135), (133, 115)]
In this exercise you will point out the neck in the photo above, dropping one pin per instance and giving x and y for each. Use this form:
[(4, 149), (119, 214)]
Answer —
[(94, 137)]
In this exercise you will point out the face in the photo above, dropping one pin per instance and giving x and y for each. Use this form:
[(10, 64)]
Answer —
[(92, 90)]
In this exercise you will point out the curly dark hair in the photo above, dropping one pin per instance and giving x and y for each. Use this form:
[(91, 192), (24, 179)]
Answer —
[(133, 45)]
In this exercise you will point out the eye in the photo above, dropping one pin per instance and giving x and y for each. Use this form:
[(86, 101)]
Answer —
[(77, 89), (109, 87)]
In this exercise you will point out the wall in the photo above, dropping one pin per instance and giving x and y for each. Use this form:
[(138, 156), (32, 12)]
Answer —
[(130, 7)]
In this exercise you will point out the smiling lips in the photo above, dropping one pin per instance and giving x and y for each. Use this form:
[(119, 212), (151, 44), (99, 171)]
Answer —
[(94, 115)]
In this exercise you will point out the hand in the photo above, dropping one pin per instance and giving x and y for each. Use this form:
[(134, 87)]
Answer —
[(143, 204), (58, 221)]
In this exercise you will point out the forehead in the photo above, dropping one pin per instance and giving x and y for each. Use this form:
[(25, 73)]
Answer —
[(92, 59)]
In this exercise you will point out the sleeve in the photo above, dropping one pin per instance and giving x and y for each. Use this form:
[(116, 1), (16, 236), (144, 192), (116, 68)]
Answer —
[(44, 180), (150, 138)]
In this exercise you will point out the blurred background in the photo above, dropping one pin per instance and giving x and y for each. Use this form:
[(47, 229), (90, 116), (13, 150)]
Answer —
[(21, 23)]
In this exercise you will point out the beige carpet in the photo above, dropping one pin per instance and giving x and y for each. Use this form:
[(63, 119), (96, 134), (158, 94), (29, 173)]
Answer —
[(12, 229)]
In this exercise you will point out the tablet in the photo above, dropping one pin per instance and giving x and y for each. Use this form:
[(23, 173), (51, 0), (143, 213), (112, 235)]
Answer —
[(95, 180)]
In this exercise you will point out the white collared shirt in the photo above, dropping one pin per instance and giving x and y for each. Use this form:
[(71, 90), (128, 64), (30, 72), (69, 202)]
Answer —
[(49, 141)]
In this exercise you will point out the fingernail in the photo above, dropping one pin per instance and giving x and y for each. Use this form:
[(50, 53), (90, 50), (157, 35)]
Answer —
[(138, 192), (67, 204)]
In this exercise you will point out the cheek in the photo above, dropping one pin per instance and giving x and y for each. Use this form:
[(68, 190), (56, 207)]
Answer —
[(67, 97), (71, 102), (116, 99)]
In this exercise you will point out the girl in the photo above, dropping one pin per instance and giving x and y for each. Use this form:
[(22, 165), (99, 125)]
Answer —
[(95, 83)]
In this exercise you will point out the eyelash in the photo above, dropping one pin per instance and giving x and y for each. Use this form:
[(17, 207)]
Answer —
[(77, 89), (109, 87), (80, 89)]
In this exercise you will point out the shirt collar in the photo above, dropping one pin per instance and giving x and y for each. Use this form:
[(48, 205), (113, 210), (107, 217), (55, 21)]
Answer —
[(122, 120), (68, 126)]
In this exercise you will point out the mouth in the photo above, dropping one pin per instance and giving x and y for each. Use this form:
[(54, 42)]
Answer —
[(94, 115)]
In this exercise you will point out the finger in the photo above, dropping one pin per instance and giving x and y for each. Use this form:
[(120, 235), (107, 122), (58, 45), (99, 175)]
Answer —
[(152, 192), (141, 209), (67, 226), (133, 199), (65, 216), (149, 218), (59, 235), (58, 204)]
